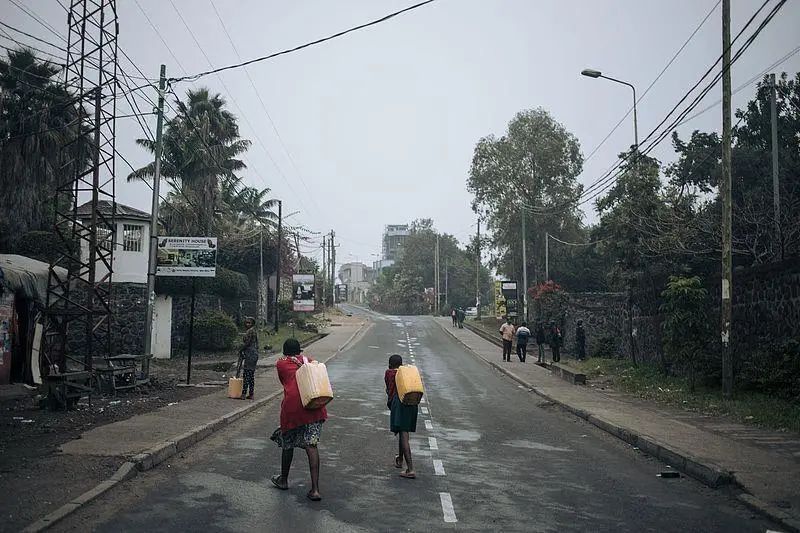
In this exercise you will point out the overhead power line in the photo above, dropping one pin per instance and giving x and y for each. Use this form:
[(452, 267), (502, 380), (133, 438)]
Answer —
[(306, 45), (12, 28)]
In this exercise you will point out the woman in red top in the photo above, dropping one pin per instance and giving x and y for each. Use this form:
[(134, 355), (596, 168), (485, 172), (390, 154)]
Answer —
[(300, 427)]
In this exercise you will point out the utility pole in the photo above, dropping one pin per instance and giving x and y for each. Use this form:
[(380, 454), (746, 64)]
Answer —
[(151, 262), (436, 274), (547, 256), (333, 268), (524, 267), (478, 271), (725, 193), (325, 277), (278, 264), (261, 299), (776, 192), (446, 265)]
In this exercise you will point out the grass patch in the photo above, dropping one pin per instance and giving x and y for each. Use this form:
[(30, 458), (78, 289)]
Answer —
[(647, 382), (265, 336)]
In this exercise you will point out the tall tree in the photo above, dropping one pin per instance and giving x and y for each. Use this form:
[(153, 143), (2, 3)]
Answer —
[(530, 171), (38, 148)]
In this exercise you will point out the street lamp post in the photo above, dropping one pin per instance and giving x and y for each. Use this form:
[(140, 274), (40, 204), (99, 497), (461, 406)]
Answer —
[(597, 74)]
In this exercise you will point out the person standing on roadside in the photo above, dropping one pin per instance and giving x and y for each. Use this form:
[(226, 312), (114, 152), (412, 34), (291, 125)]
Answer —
[(555, 342), (580, 341), (507, 332), (541, 339), (248, 354), (454, 316), (523, 334), (300, 427), (460, 316)]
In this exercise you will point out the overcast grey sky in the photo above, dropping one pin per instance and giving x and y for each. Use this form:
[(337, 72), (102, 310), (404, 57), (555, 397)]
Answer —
[(381, 124)]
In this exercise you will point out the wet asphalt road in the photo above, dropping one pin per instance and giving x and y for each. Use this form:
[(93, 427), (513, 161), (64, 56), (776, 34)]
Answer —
[(505, 459)]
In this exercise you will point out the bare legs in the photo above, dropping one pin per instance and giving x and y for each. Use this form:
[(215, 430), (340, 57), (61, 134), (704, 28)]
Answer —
[(405, 454), (313, 466)]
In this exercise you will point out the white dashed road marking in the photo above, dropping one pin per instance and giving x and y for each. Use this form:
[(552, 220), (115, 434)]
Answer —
[(424, 410), (432, 444), (447, 507), (438, 467), (428, 425)]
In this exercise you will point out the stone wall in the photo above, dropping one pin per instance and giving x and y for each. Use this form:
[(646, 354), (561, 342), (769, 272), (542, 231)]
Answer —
[(129, 304), (181, 313)]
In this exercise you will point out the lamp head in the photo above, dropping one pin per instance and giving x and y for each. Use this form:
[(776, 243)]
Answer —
[(591, 73)]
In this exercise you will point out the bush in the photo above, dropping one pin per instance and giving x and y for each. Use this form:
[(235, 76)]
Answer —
[(214, 330), (685, 325), (774, 370), (44, 246), (227, 283), (605, 347)]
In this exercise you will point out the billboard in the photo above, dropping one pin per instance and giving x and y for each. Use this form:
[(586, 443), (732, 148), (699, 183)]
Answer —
[(187, 256), (303, 292), (341, 292), (505, 299)]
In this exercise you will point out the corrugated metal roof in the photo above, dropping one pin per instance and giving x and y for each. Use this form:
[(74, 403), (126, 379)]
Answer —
[(123, 211)]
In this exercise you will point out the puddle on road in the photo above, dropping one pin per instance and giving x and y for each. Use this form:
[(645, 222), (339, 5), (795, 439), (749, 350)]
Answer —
[(249, 444), (531, 445)]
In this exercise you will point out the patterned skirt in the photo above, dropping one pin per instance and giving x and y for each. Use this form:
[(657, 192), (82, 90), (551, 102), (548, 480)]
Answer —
[(299, 437)]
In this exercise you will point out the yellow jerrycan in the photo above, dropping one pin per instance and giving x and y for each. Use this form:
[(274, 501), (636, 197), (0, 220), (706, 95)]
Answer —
[(235, 388), (409, 384), (313, 384)]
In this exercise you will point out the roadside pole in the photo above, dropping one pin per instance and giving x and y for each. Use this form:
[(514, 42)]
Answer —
[(151, 261), (261, 299), (324, 278), (278, 264), (478, 271), (524, 267), (436, 275), (546, 256), (725, 193), (776, 191), (191, 332)]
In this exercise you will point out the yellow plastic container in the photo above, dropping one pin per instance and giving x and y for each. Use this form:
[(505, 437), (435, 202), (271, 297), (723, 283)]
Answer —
[(235, 388), (409, 384), (314, 385)]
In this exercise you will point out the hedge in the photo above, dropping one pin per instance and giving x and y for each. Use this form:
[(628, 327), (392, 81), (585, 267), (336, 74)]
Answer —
[(214, 330), (227, 283)]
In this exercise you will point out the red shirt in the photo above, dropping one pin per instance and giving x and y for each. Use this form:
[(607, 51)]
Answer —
[(293, 414), (391, 386)]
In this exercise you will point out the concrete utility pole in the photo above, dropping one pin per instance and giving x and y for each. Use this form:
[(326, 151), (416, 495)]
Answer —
[(547, 256), (436, 274), (333, 267), (776, 192), (524, 267), (278, 264), (446, 265), (478, 271), (725, 193), (261, 317), (325, 277), (152, 258)]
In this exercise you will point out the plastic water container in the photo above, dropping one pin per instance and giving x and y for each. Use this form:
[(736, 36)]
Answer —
[(409, 384), (235, 388), (314, 384)]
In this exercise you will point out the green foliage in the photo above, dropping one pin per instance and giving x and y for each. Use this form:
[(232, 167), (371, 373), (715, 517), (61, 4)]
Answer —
[(536, 164), (605, 347), (214, 330), (42, 245), (685, 325), (227, 283), (40, 143), (550, 301), (774, 370)]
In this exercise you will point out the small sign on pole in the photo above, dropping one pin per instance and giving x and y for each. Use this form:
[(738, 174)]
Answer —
[(303, 292), (187, 256), (341, 292)]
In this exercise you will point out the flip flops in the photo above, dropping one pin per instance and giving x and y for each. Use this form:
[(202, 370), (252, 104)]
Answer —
[(313, 498), (398, 461), (275, 481)]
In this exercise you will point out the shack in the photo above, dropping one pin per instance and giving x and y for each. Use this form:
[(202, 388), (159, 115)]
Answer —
[(23, 297)]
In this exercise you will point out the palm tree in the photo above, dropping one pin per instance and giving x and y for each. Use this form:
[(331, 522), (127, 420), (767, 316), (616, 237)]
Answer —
[(200, 149), (247, 206), (39, 123)]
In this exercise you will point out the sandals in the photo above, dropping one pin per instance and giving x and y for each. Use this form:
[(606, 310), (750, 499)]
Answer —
[(398, 461), (312, 497), (276, 481), (408, 475)]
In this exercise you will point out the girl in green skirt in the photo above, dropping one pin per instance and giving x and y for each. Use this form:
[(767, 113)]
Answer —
[(402, 419)]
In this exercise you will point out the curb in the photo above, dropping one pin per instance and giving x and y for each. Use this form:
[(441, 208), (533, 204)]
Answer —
[(706, 472), (158, 454)]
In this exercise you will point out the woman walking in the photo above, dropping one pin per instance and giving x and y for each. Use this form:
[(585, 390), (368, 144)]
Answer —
[(300, 427)]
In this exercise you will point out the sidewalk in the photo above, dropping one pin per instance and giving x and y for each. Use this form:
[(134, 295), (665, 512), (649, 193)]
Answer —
[(769, 476), (144, 441)]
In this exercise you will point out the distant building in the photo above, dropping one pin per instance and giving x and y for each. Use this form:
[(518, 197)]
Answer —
[(357, 277), (394, 237), (132, 235)]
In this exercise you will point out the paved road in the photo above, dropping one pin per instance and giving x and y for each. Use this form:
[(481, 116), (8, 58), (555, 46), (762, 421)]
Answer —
[(490, 456)]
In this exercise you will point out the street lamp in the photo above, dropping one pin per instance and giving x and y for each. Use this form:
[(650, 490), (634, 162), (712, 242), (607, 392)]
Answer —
[(591, 73)]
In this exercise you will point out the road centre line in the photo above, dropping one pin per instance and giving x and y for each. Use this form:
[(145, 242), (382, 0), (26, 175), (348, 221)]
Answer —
[(424, 410), (447, 507), (432, 444), (428, 425), (438, 467)]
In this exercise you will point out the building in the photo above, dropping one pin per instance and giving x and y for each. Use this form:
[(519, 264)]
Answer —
[(394, 236), (357, 277), (132, 235)]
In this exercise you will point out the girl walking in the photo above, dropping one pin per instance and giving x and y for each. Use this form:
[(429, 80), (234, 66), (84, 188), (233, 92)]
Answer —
[(402, 419)]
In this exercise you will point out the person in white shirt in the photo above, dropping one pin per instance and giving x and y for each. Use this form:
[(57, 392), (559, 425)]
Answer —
[(523, 334)]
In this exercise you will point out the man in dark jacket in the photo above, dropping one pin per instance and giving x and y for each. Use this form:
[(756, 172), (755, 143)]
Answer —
[(541, 339), (555, 342), (248, 354), (580, 341)]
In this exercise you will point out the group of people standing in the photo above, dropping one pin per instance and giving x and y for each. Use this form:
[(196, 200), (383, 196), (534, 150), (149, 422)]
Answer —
[(458, 315), (551, 336)]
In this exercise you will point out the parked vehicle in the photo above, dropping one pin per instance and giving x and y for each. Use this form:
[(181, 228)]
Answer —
[(471, 311)]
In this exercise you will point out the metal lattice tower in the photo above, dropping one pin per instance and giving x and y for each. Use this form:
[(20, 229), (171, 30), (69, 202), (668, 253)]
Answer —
[(78, 303)]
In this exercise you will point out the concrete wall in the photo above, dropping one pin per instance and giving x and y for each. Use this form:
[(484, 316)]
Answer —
[(130, 266)]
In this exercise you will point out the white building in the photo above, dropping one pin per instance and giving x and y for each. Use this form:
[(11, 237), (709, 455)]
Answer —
[(357, 278), (132, 235)]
